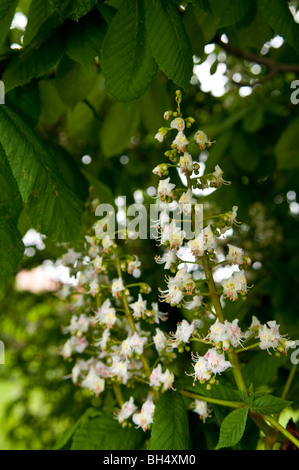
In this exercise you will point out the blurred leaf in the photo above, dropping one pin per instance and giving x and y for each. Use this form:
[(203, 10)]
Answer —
[(118, 128), (39, 11), (169, 42), (229, 11), (232, 428), (7, 10), (73, 81), (244, 152), (170, 429), (84, 39), (262, 368), (287, 147), (73, 8), (281, 20)]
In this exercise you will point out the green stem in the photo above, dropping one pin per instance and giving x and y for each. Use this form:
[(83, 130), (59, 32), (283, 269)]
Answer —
[(215, 297), (118, 394), (215, 401), (129, 317), (289, 382), (282, 430)]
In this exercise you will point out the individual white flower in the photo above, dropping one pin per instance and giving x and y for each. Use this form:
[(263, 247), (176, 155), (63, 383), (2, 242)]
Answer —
[(97, 263), (217, 332), (93, 382), (235, 254), (74, 344), (145, 418), (102, 342), (161, 134), (107, 242), (138, 307), (160, 340), (234, 285), (94, 287), (117, 286), (172, 235), (202, 409), (178, 123), (196, 245), (186, 202), (234, 332), (202, 140), (80, 366), (217, 179), (127, 409), (186, 163), (70, 257), (165, 188), (209, 239), (106, 314), (180, 142), (167, 380), (182, 335), (210, 364), (216, 362), (173, 295), (133, 264), (155, 377), (119, 369), (194, 303), (168, 258), (269, 335), (157, 314)]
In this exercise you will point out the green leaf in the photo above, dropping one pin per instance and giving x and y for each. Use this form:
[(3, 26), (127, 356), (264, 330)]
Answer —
[(244, 152), (73, 81), (38, 13), (33, 62), (170, 429), (229, 11), (232, 428), (281, 20), (269, 404), (53, 209), (11, 246), (287, 148), (7, 10), (118, 128), (84, 39), (127, 64), (103, 432), (73, 8), (169, 41), (262, 368)]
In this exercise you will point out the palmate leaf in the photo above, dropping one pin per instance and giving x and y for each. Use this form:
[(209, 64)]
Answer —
[(127, 63), (169, 41), (170, 429), (52, 208)]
